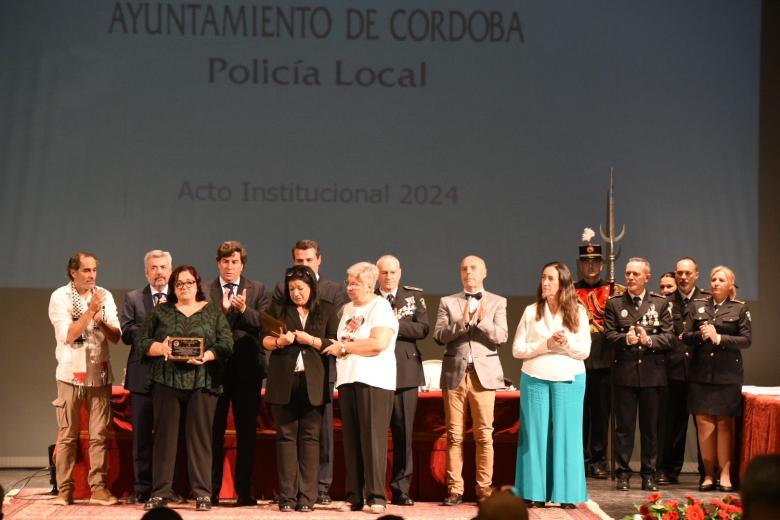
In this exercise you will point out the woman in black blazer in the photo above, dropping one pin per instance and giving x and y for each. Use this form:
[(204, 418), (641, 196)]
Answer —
[(297, 385), (718, 326)]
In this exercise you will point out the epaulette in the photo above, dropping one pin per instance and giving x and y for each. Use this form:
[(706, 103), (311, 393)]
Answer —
[(703, 291), (410, 288), (615, 296), (657, 295), (741, 302), (700, 299)]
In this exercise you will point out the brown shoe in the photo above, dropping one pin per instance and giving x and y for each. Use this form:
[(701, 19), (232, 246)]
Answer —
[(482, 494), (64, 498), (103, 497)]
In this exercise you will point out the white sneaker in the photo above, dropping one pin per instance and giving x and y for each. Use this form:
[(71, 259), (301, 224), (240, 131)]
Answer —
[(376, 509)]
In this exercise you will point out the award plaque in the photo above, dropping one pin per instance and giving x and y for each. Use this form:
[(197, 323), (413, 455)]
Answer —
[(183, 349)]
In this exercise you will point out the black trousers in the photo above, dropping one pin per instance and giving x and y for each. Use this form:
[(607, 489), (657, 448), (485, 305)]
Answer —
[(199, 407), (297, 445), (142, 419), (673, 427), (245, 398), (595, 422), (326, 445), (365, 416), (402, 429), (648, 401)]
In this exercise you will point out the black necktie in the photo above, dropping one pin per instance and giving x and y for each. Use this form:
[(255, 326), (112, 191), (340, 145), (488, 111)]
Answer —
[(717, 306), (232, 288), (686, 301), (636, 300), (390, 298), (157, 297), (476, 295)]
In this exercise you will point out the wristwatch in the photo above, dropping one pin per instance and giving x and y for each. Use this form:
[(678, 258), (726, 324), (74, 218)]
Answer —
[(343, 349)]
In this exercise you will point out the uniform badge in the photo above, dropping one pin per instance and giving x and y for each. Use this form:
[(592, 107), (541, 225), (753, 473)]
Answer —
[(623, 313), (422, 303), (747, 313), (408, 308), (701, 310)]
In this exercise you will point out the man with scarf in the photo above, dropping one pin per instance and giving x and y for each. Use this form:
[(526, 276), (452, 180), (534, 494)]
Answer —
[(85, 319)]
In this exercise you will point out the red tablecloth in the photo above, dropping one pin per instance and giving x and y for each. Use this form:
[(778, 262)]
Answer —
[(429, 445), (760, 428)]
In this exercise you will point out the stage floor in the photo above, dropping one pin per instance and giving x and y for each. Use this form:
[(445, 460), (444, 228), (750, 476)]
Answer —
[(615, 504)]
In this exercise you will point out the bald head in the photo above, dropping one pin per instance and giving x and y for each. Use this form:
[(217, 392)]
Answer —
[(389, 273), (473, 272)]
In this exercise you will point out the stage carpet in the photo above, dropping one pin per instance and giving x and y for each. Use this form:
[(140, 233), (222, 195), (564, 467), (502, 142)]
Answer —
[(35, 504)]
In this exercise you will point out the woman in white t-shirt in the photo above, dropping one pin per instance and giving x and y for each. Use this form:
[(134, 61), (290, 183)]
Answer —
[(365, 379), (553, 339)]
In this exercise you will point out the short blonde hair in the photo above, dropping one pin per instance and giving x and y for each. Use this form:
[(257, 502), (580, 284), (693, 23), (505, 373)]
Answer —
[(730, 277), (366, 272)]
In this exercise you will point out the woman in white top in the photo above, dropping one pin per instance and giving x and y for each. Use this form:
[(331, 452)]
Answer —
[(366, 371), (553, 339)]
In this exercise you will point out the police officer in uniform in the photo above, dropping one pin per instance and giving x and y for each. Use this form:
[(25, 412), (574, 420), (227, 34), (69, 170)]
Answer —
[(409, 307), (592, 293), (638, 327), (674, 415), (718, 328)]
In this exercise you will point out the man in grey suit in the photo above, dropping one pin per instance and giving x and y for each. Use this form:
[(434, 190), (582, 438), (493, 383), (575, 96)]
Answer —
[(471, 325), (241, 299), (138, 304), (307, 252)]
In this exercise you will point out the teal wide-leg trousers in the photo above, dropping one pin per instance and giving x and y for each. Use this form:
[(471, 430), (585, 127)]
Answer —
[(550, 460)]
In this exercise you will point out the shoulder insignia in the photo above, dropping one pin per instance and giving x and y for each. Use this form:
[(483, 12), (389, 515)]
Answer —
[(422, 303), (741, 302), (657, 295), (615, 296), (747, 313), (700, 299), (410, 288), (704, 291), (619, 289)]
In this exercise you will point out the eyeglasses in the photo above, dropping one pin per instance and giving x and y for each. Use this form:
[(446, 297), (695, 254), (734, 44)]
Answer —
[(353, 285), (182, 285)]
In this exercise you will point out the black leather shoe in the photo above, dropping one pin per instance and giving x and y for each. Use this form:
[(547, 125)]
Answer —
[(155, 502), (137, 498), (203, 504), (725, 489), (304, 508), (649, 484), (533, 503), (177, 498), (567, 505), (599, 473), (706, 487), (403, 500), (323, 498), (286, 508), (622, 484), (453, 499), (244, 501), (662, 480)]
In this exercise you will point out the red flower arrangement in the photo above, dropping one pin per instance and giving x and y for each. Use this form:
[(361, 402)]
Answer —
[(656, 508)]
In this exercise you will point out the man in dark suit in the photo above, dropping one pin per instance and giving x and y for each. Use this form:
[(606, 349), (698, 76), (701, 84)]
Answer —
[(674, 413), (638, 327), (307, 252), (137, 306), (241, 300), (409, 307)]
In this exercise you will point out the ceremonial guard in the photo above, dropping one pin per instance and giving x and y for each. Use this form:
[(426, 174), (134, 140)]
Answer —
[(638, 327), (409, 307), (593, 292)]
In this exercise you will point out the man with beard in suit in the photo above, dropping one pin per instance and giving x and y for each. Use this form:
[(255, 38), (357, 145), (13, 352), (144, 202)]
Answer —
[(638, 328), (307, 252), (471, 324), (138, 304), (241, 299), (410, 311)]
